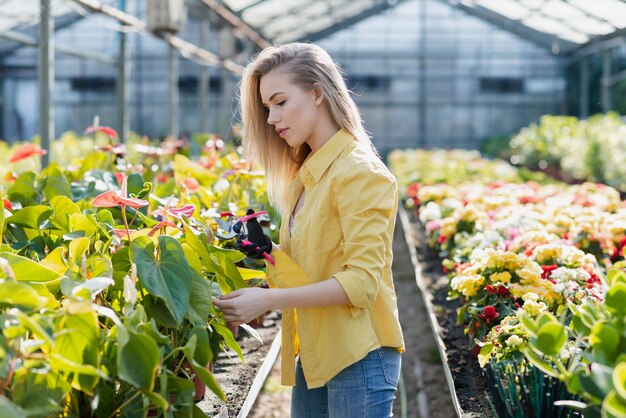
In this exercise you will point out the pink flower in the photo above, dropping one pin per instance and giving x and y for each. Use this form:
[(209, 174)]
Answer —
[(177, 213), (113, 198), (107, 130), (27, 150)]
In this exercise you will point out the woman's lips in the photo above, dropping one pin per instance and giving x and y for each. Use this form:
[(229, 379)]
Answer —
[(282, 132)]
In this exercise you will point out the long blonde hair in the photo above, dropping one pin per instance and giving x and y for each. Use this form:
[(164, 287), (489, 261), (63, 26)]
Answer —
[(308, 65)]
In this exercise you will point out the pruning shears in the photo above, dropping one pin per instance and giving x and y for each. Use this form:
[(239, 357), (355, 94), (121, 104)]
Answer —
[(236, 228)]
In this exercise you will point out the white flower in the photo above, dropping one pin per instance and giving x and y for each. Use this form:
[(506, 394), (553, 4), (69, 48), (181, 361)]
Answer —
[(94, 286), (430, 212), (514, 341), (221, 185), (130, 291)]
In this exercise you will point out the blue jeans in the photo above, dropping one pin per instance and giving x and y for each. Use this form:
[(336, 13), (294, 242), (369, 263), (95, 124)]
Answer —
[(365, 389)]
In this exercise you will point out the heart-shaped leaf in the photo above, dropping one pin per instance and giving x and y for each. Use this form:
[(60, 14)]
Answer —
[(63, 208), (166, 276), (137, 359), (30, 216)]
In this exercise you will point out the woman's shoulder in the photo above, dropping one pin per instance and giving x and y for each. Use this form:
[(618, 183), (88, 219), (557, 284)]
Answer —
[(360, 160)]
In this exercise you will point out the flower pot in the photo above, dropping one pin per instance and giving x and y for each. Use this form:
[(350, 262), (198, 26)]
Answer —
[(257, 322)]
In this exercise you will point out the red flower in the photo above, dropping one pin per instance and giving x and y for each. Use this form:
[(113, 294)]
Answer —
[(107, 130), (7, 204), (441, 239), (489, 313), (191, 184), (412, 190), (113, 198), (160, 225), (27, 150), (547, 270), (186, 210)]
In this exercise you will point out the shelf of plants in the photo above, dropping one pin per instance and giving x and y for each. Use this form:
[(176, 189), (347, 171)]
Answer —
[(108, 264), (528, 277)]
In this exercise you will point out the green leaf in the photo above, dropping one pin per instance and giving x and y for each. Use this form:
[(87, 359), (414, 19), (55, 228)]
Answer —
[(23, 189), (27, 270), (77, 339), (63, 208), (30, 216), (78, 247), (2, 215), (158, 310), (168, 276), (538, 362), (615, 276), (208, 379), (15, 294), (94, 162), (200, 299), (619, 380), (615, 299), (613, 406), (598, 383), (202, 352), (550, 338), (55, 261), (604, 337), (80, 222), (228, 337), (56, 184), (9, 410), (137, 359)]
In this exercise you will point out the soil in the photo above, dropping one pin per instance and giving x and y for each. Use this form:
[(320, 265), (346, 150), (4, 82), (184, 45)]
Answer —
[(236, 378)]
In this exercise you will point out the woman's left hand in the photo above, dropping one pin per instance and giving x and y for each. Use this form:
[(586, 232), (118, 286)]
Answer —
[(243, 305)]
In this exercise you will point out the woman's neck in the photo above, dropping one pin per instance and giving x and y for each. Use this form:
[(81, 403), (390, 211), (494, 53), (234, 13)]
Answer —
[(326, 128)]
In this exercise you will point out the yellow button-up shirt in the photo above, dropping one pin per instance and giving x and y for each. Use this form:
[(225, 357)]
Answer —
[(344, 230)]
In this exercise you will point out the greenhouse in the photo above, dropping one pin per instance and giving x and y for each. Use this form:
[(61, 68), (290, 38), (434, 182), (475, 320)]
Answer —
[(298, 208)]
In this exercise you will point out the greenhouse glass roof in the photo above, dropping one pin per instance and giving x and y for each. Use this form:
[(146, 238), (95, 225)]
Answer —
[(304, 20), (575, 22)]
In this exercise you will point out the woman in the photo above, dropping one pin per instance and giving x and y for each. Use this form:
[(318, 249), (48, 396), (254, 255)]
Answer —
[(332, 278)]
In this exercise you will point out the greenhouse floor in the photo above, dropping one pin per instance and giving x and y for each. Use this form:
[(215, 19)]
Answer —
[(426, 391)]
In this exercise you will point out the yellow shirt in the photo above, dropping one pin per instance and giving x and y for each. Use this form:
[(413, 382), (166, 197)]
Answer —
[(344, 230)]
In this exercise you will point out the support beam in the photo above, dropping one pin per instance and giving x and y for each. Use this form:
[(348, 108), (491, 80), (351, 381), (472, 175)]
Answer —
[(26, 40), (173, 101), (596, 47), (583, 112), (187, 49), (605, 88), (46, 79), (204, 91), (123, 72), (241, 26)]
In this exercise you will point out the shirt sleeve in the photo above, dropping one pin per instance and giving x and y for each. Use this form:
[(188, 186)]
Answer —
[(366, 199)]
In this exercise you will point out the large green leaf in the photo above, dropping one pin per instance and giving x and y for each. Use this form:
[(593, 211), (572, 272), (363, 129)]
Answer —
[(613, 406), (15, 294), (27, 270), (30, 216), (56, 184), (137, 359), (63, 208), (200, 300), (77, 341), (619, 380), (167, 276), (550, 338), (615, 299), (9, 410), (605, 338), (23, 189), (80, 222)]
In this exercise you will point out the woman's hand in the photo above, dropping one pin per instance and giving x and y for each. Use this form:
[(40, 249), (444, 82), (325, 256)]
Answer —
[(243, 305)]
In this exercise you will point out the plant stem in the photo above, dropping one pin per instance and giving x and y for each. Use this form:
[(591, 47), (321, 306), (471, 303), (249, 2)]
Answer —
[(126, 403)]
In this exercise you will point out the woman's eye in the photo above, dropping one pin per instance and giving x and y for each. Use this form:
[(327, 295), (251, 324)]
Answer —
[(282, 102)]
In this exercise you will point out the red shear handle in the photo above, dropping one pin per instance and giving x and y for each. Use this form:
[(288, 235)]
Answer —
[(266, 256)]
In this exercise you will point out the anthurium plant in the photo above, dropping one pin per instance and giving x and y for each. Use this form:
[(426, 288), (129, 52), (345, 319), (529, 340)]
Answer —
[(106, 285)]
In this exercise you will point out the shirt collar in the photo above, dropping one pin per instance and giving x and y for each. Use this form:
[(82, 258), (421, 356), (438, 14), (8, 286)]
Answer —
[(317, 163)]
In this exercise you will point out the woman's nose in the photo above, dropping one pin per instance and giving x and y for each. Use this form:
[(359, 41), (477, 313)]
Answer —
[(272, 117)]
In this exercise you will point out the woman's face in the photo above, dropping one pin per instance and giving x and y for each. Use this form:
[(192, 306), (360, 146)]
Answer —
[(292, 111)]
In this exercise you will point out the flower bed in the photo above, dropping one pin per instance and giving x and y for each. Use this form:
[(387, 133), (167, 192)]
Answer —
[(525, 262)]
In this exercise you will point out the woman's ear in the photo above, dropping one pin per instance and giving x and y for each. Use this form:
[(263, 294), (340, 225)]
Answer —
[(318, 93)]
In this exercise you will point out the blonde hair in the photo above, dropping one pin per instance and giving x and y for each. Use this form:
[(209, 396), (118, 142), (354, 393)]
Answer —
[(309, 66)]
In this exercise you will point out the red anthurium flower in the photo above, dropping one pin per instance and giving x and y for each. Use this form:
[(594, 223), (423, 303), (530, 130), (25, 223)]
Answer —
[(113, 198), (107, 130), (191, 184), (160, 225), (27, 150), (123, 233), (7, 204), (115, 149)]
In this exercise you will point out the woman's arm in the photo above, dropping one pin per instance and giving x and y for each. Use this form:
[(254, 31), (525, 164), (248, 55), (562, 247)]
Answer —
[(243, 305)]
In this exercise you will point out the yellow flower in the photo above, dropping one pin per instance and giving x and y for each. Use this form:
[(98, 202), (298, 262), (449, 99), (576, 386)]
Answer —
[(503, 277)]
